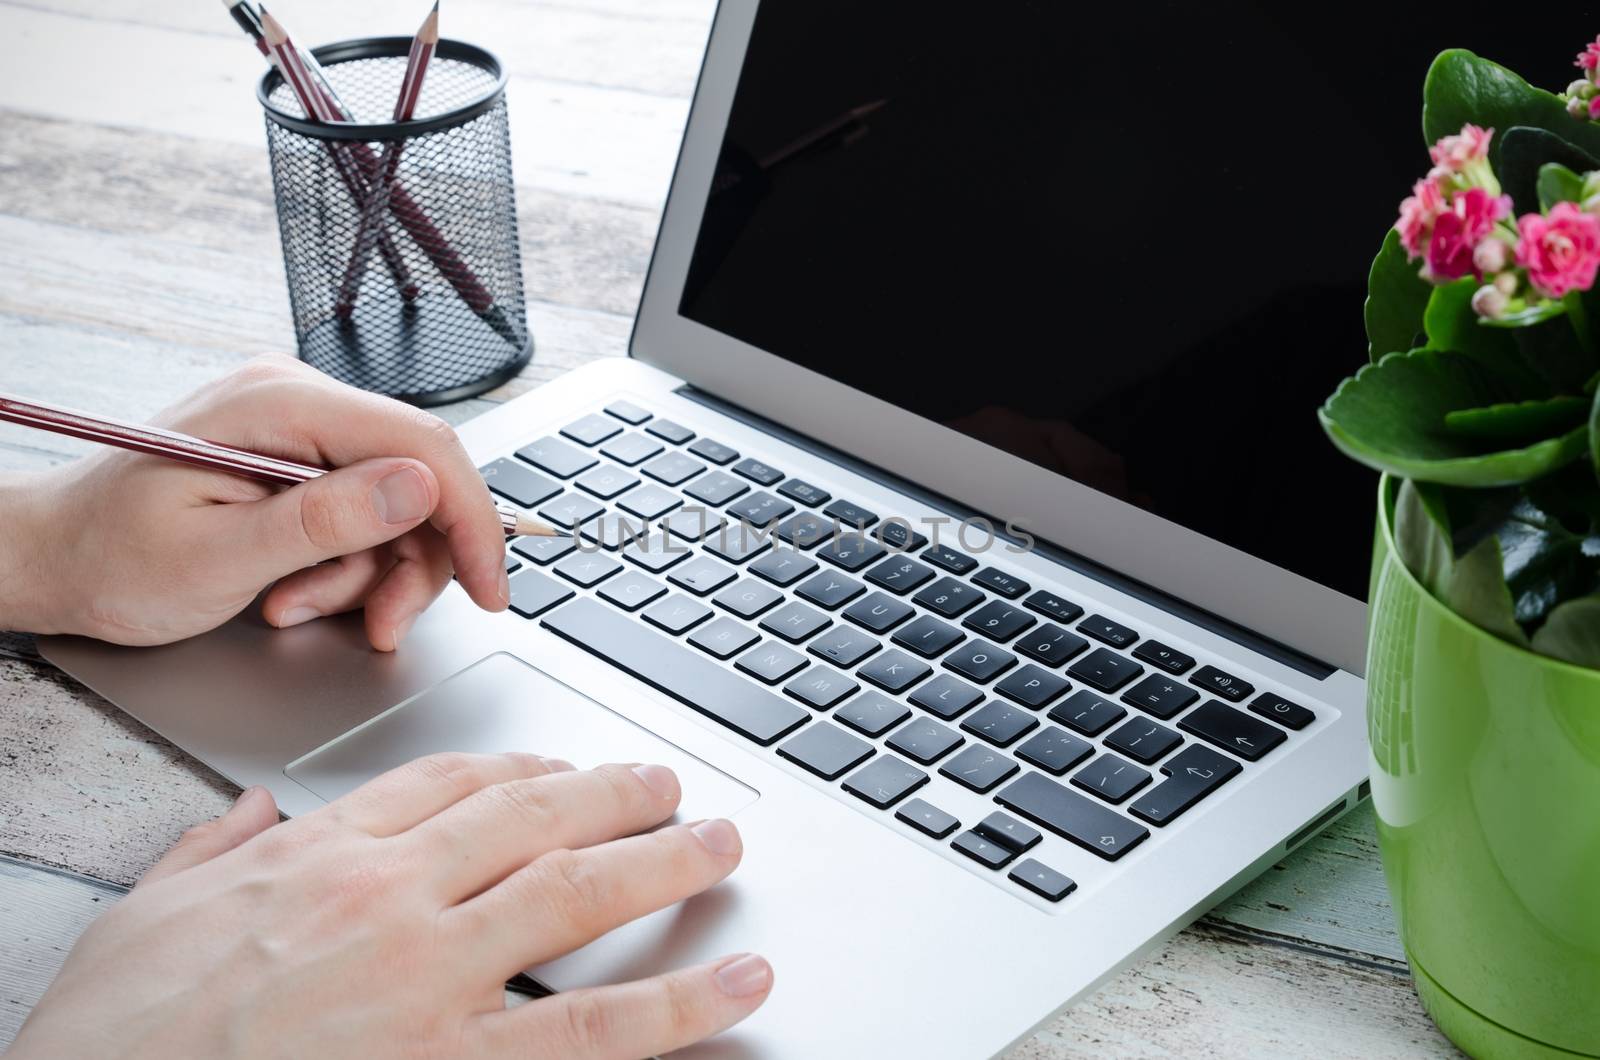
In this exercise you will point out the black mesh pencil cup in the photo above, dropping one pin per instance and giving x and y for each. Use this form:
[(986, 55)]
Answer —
[(400, 238)]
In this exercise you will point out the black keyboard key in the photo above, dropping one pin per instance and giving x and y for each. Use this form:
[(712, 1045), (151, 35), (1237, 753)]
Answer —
[(513, 564), (1055, 750), (543, 550), (669, 667), (632, 590), (783, 566), (1233, 730), (946, 697), (715, 452), (830, 590), (885, 782), (606, 481), (656, 554), (748, 598), (677, 614), (804, 492), (821, 687), (1075, 817), (756, 471), (723, 638), (826, 750), (587, 568), (998, 581), (980, 661), (850, 514), (999, 723), (612, 531), (1143, 741), (1031, 686), (1102, 628), (519, 484), (673, 468), (894, 671), (805, 530), (701, 575), (794, 622), (533, 593), (1110, 777), (1222, 684), (985, 852), (979, 768), (771, 662), (927, 818), (557, 457), (1161, 695), (1192, 774), (999, 621), (1087, 713), (1162, 657), (899, 575), (1042, 880), (1105, 669), (570, 509), (693, 523), (949, 597), (1280, 710), (1006, 830), (843, 646), (947, 558), (1048, 603), (759, 509), (872, 714), (850, 551), (927, 636), (649, 502), (1051, 645), (631, 448), (669, 431), (878, 612), (628, 412), (898, 536), (592, 429), (925, 741), (737, 542), (716, 489)]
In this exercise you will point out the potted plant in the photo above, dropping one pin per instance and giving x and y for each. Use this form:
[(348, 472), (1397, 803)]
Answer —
[(1480, 407)]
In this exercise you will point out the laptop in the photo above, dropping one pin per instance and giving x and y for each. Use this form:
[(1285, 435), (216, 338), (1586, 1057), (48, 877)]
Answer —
[(959, 524)]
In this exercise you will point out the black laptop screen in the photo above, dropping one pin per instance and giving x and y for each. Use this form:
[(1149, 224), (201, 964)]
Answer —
[(1132, 250)]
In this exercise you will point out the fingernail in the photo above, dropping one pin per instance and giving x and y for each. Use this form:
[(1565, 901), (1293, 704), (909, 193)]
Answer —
[(659, 779), (559, 765), (744, 976), (402, 629), (505, 588), (719, 836), (247, 794), (400, 497), (296, 615)]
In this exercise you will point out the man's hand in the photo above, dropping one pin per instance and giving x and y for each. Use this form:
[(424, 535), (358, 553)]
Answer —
[(385, 924), (140, 550)]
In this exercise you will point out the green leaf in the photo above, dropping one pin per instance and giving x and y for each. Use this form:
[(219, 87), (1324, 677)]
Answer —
[(1544, 563), (1594, 433), (1571, 495), (1572, 632), (1390, 416), (1537, 313), (1520, 421), (1478, 592), (1422, 536), (1462, 88), (1557, 183), (1396, 298), (1453, 325), (1523, 150), (1551, 350)]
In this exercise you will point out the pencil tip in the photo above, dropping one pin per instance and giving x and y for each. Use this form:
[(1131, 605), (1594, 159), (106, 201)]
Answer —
[(271, 28)]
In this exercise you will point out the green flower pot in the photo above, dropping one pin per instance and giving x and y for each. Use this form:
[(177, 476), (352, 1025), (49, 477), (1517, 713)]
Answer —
[(1486, 783)]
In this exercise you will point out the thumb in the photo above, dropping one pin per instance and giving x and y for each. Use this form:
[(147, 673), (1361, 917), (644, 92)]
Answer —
[(250, 815), (343, 512)]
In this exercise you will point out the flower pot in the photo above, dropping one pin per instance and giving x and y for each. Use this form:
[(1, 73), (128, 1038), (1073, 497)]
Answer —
[(1486, 783)]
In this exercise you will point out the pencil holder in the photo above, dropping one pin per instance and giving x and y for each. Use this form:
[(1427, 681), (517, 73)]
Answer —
[(400, 238)]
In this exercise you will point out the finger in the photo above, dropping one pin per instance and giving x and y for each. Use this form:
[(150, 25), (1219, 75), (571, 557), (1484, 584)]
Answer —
[(327, 589), (252, 813), (483, 839), (420, 573), (647, 1017), (400, 799), (568, 898)]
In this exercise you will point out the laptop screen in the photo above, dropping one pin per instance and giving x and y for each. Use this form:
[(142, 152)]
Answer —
[(1130, 250)]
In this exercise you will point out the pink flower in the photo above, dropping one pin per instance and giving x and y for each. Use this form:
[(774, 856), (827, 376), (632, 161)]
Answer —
[(1455, 153), (1457, 232), (1589, 58), (1561, 251), (1417, 215), (1594, 109)]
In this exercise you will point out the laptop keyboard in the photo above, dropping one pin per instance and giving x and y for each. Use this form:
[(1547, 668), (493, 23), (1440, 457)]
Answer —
[(858, 651)]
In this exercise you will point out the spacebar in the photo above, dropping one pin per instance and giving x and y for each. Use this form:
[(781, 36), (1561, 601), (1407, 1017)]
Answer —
[(670, 667)]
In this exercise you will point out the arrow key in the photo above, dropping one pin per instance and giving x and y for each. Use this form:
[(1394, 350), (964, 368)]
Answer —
[(1192, 774), (1232, 730), (1042, 880)]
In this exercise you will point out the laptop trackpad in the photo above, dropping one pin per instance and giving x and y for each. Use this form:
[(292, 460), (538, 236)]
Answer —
[(501, 703)]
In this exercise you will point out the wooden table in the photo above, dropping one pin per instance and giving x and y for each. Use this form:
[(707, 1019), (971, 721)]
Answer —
[(139, 257)]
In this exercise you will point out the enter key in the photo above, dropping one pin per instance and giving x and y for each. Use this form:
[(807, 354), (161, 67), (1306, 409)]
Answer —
[(1192, 774)]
